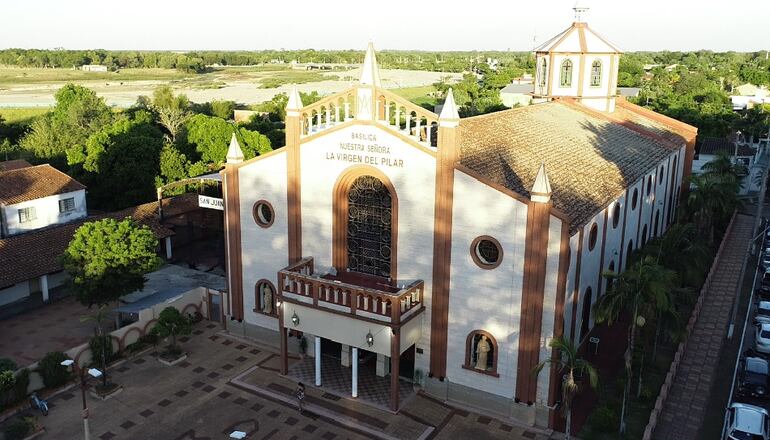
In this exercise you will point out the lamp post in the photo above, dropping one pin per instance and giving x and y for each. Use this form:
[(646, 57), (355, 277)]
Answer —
[(93, 372)]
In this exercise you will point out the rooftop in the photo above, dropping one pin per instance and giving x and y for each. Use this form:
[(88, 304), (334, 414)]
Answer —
[(34, 182), (714, 146), (578, 38), (591, 157), (15, 164)]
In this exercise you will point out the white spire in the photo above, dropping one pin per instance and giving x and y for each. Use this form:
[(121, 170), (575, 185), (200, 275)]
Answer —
[(234, 153), (295, 100), (370, 73), (449, 110), (541, 190)]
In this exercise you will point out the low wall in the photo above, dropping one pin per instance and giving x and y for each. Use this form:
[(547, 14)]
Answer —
[(671, 375)]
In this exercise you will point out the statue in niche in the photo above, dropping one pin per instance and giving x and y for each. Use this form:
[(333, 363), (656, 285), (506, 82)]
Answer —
[(267, 299), (482, 353)]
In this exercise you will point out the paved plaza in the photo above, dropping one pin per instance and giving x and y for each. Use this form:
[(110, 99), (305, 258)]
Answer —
[(227, 384)]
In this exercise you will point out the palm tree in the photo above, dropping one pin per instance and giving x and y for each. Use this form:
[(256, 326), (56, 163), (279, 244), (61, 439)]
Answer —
[(681, 250), (98, 318), (645, 290), (570, 361), (712, 198)]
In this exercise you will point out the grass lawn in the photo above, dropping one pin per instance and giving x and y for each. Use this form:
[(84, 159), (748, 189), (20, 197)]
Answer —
[(16, 75), (273, 79), (417, 95), (21, 115)]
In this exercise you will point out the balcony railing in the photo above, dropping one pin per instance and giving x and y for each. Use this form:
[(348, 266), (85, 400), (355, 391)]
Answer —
[(299, 283)]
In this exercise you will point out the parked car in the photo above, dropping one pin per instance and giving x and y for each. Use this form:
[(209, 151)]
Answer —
[(753, 377), (762, 338), (763, 312), (765, 262), (747, 422)]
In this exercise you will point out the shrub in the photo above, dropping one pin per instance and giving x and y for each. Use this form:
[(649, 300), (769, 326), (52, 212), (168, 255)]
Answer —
[(96, 344), (20, 428), (149, 338), (54, 374), (7, 380), (604, 419), (7, 364), (17, 391)]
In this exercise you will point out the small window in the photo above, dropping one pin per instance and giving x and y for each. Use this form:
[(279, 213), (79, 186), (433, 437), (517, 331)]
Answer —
[(660, 174), (486, 252), (264, 293), (67, 205), (264, 213), (592, 237), (585, 320), (596, 73), (481, 353), (634, 199), (27, 214), (566, 74), (616, 216), (543, 71)]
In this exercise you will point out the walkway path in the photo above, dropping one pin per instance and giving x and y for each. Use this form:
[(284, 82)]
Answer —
[(685, 408)]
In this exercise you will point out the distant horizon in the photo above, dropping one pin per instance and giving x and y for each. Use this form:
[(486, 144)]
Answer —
[(655, 26), (362, 51)]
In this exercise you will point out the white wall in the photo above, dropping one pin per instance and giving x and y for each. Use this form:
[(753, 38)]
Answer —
[(14, 293), (264, 250), (47, 211), (569, 304), (549, 306), (613, 247), (414, 182), (485, 299), (590, 271)]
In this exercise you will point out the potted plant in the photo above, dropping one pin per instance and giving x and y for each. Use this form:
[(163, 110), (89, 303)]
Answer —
[(172, 323)]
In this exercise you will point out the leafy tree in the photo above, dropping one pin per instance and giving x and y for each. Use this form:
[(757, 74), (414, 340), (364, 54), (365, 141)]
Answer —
[(570, 361), (713, 196), (172, 110), (210, 138), (78, 113), (107, 259), (53, 372), (7, 364), (173, 165), (223, 109), (101, 343), (644, 290), (172, 323)]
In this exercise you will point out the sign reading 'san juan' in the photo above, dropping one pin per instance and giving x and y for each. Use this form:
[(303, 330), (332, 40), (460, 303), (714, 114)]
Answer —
[(363, 148)]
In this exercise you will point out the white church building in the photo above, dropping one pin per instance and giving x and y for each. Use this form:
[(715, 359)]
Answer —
[(453, 247)]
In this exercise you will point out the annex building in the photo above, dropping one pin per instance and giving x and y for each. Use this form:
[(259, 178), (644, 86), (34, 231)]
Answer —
[(447, 249)]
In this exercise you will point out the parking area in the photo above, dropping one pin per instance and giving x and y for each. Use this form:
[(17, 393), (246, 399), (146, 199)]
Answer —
[(230, 384)]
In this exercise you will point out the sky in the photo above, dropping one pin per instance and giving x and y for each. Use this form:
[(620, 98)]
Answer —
[(391, 24)]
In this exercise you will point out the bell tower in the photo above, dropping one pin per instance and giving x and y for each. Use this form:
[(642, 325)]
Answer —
[(578, 63)]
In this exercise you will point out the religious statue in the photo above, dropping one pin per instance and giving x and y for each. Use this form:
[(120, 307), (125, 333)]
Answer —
[(482, 351), (267, 299)]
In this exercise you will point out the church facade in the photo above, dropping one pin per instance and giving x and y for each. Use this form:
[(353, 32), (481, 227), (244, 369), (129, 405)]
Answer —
[(456, 248)]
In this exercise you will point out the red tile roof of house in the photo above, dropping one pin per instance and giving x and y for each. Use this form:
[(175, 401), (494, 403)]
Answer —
[(14, 164), (30, 183)]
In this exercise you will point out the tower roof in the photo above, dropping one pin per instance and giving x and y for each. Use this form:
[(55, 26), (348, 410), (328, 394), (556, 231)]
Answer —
[(578, 38), (370, 73), (449, 110), (234, 152), (541, 189), (295, 100)]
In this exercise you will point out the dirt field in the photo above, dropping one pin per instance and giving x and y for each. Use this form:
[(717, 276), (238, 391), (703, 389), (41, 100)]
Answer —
[(36, 87)]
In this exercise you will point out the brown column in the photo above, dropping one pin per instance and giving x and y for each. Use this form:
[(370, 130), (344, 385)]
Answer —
[(535, 258), (293, 187), (395, 356), (558, 322), (442, 246), (233, 223)]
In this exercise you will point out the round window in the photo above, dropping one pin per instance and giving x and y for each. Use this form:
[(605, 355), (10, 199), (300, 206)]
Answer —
[(592, 237), (615, 215), (264, 213), (634, 198), (486, 252)]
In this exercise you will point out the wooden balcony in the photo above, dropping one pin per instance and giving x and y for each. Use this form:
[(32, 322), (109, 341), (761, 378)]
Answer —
[(299, 284)]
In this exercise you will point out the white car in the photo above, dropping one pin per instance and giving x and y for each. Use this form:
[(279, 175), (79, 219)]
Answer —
[(762, 338), (747, 422), (763, 312)]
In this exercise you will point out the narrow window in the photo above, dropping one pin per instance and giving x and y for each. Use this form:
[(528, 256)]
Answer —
[(566, 74), (27, 214), (543, 71), (596, 73)]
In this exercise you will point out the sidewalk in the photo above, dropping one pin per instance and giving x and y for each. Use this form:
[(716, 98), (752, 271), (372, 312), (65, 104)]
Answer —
[(684, 410)]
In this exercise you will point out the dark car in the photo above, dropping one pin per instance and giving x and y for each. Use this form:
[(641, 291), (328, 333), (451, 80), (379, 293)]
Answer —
[(753, 378)]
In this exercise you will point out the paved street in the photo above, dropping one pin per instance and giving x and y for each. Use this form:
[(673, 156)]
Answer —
[(683, 412), (229, 384)]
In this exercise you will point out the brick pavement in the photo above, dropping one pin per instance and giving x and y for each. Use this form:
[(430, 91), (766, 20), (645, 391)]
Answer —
[(684, 410)]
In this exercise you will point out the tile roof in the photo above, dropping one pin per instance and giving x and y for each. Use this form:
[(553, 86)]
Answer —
[(30, 255), (23, 184), (723, 145), (14, 164), (591, 158)]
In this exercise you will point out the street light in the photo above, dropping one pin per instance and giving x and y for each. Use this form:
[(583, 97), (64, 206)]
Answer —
[(93, 372)]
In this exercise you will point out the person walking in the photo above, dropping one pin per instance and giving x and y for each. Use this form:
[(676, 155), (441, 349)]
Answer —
[(300, 393)]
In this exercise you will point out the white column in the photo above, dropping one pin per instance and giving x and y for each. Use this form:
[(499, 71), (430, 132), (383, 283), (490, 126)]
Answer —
[(168, 248), (44, 287), (345, 355), (318, 361), (354, 362), (383, 365)]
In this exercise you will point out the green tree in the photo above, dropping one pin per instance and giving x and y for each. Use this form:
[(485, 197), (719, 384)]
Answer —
[(210, 137), (644, 290), (101, 343), (172, 323), (569, 361), (173, 165), (713, 196), (172, 110), (223, 109), (108, 259)]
